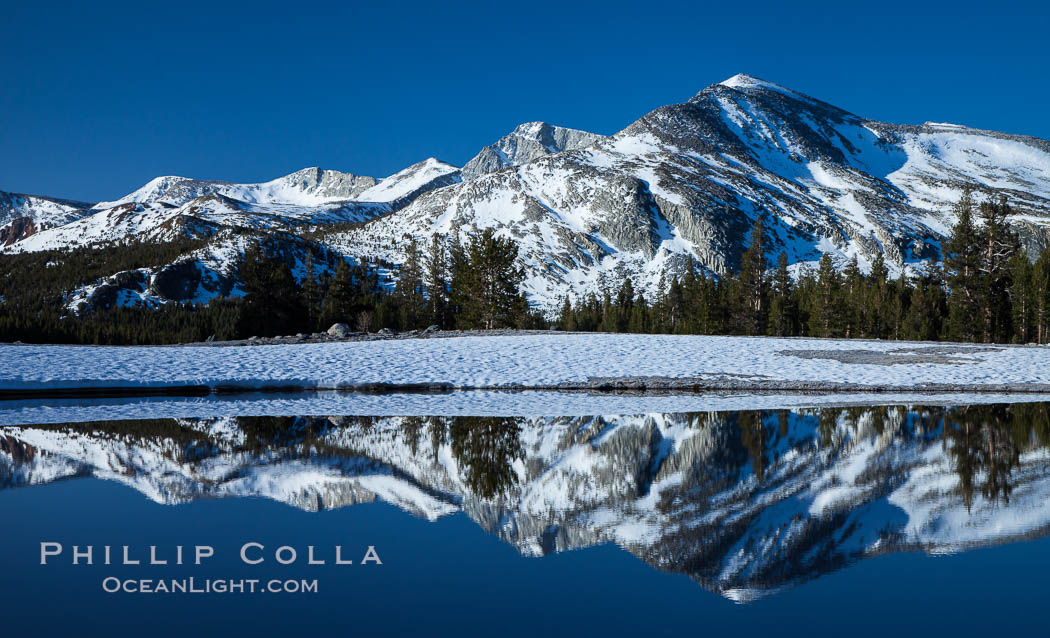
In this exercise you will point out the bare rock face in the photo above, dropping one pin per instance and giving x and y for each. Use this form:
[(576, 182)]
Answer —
[(16, 230), (525, 143), (22, 216), (328, 184)]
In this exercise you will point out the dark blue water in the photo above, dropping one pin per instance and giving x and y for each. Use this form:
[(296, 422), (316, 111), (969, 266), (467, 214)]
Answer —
[(452, 576)]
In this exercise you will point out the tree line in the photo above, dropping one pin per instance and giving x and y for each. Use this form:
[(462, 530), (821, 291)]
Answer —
[(474, 284), (987, 290), (457, 285)]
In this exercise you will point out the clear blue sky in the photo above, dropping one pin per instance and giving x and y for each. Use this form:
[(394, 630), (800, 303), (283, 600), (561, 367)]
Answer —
[(100, 97)]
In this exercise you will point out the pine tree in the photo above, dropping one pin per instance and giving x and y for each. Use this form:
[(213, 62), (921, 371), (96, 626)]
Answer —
[(922, 321), (624, 305), (900, 299), (853, 299), (962, 263), (1041, 292), (639, 320), (485, 282), (674, 308), (826, 319), (338, 305), (311, 295), (783, 317), (878, 306), (1023, 298), (753, 294), (408, 291), (998, 245), (567, 319), (271, 300), (436, 282)]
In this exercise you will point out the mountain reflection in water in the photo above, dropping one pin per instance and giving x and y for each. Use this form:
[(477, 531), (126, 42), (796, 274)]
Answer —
[(742, 502)]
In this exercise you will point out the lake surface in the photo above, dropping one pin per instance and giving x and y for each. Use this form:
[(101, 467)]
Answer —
[(868, 519)]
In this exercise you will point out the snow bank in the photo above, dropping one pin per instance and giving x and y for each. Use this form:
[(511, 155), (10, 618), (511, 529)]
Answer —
[(528, 361)]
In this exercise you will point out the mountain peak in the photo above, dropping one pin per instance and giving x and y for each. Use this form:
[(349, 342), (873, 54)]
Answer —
[(405, 184), (744, 82), (528, 141), (531, 129), (741, 80)]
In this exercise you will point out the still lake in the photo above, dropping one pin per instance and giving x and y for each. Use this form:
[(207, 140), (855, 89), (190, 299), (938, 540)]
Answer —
[(868, 519)]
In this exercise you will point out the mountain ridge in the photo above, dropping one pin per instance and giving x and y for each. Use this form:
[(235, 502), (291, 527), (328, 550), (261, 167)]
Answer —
[(678, 188)]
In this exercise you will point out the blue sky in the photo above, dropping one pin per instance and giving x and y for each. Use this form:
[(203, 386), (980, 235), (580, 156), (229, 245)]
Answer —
[(98, 98)]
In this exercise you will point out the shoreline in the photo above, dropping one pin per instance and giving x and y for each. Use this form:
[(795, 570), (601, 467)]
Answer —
[(596, 387)]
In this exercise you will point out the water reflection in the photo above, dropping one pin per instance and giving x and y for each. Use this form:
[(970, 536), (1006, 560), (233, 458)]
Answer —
[(742, 502)]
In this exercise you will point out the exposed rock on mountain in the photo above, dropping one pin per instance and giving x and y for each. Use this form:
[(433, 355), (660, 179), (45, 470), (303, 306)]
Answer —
[(308, 187), (527, 142), (24, 215)]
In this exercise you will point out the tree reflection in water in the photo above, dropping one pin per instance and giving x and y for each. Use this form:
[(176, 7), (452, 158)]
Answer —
[(751, 499)]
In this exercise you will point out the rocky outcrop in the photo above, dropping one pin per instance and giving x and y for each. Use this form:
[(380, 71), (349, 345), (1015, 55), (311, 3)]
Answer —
[(22, 216), (525, 143), (17, 230)]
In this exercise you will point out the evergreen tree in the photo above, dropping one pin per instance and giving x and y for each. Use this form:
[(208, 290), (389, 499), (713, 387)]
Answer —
[(998, 245), (753, 294), (674, 308), (962, 263), (311, 295), (1023, 298), (436, 282), (485, 282), (408, 291), (879, 307), (639, 321), (922, 321), (826, 318), (271, 300), (624, 305), (783, 318), (853, 299), (338, 305), (900, 299), (1041, 294)]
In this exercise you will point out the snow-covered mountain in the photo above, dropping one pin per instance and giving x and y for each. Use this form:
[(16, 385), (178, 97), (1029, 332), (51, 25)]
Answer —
[(308, 187), (527, 142), (686, 181), (25, 215), (680, 186), (744, 503), (167, 208), (402, 187)]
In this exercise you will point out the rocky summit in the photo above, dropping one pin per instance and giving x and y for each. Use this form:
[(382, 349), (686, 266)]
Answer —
[(676, 189)]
